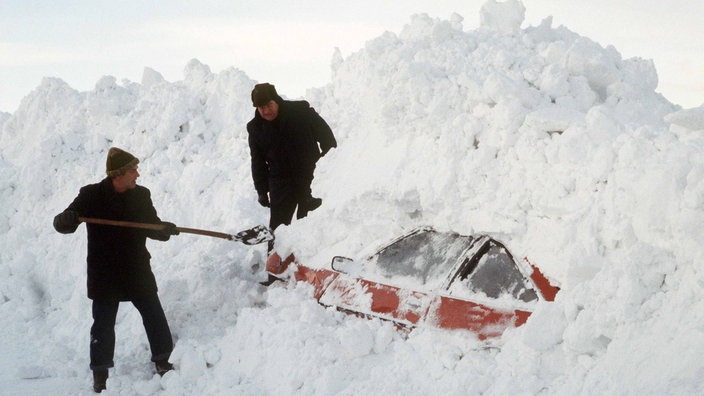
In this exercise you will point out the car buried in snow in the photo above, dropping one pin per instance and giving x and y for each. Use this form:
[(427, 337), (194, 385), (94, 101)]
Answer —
[(428, 278)]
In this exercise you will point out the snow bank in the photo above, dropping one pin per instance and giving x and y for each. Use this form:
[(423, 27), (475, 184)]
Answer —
[(538, 136)]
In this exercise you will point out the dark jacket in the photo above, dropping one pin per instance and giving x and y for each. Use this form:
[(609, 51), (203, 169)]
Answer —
[(118, 260), (284, 151)]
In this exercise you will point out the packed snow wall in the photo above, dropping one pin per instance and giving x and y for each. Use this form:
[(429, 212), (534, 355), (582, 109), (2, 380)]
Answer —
[(538, 136)]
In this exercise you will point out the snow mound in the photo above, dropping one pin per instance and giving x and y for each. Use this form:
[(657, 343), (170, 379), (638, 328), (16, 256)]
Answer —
[(505, 17), (692, 119), (538, 136)]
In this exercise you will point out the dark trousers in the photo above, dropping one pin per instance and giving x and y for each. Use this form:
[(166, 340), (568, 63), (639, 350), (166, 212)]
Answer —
[(102, 333), (282, 212)]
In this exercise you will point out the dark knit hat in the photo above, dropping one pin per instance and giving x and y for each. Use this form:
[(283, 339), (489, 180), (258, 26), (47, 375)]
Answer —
[(263, 93), (119, 161)]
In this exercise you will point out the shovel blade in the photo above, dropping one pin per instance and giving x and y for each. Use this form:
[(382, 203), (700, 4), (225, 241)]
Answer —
[(255, 235)]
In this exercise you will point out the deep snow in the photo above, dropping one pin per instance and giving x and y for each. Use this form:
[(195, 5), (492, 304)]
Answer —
[(538, 136)]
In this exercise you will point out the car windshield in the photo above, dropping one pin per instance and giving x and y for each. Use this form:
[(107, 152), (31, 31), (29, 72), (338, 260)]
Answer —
[(423, 259)]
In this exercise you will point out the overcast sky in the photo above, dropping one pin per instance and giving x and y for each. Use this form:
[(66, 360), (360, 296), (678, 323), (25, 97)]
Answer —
[(290, 43)]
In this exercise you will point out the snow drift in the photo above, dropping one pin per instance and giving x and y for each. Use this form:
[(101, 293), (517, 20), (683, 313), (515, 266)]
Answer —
[(537, 136)]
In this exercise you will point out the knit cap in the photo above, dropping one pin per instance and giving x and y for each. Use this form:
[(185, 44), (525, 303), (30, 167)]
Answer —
[(119, 161), (264, 93)]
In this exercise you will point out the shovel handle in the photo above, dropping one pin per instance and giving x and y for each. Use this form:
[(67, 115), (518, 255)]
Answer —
[(156, 227)]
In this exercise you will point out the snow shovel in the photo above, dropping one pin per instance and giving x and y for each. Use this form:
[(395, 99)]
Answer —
[(251, 236)]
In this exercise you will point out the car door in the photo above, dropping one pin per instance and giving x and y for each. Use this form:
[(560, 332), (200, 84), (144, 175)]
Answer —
[(397, 282), (486, 294)]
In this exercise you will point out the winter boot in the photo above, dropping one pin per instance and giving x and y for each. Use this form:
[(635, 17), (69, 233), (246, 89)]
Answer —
[(100, 377), (163, 366), (314, 203)]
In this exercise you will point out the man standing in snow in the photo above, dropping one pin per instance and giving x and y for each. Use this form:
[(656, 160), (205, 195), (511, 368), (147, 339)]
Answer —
[(118, 261), (286, 139)]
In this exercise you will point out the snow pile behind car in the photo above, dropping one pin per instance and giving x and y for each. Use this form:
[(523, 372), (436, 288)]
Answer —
[(539, 137)]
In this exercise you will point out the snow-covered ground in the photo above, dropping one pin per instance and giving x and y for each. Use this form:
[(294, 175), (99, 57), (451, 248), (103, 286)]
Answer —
[(538, 136)]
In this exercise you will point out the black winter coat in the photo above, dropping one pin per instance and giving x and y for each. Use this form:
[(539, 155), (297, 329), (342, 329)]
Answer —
[(118, 260), (284, 151)]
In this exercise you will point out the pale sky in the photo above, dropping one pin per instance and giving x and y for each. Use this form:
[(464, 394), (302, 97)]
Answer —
[(290, 43)]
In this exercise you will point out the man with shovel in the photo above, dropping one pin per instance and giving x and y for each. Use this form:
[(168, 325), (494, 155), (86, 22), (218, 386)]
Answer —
[(286, 139), (118, 261)]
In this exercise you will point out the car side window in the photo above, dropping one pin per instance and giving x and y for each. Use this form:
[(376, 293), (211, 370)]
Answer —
[(494, 273)]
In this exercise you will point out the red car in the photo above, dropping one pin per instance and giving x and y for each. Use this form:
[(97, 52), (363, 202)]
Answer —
[(430, 278)]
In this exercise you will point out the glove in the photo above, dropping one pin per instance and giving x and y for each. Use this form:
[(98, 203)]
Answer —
[(263, 200), (170, 228), (66, 222)]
